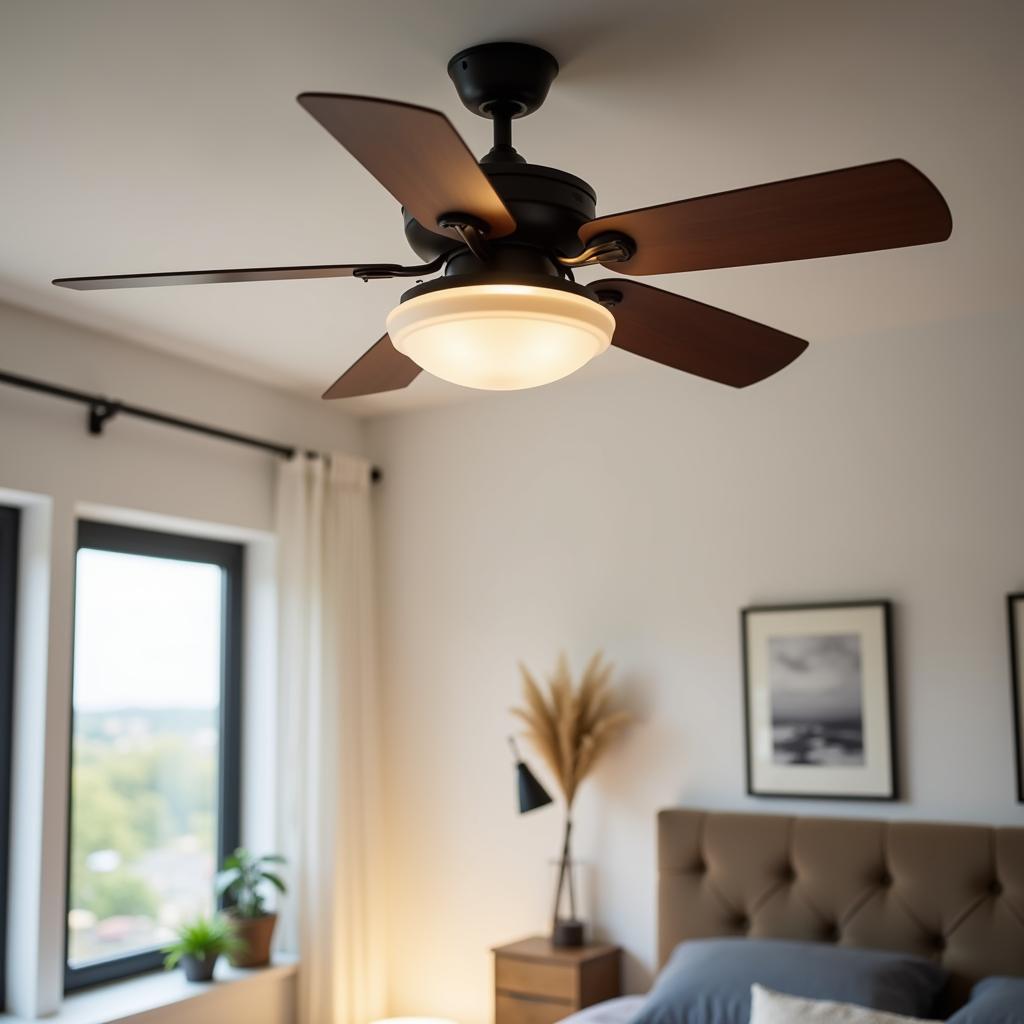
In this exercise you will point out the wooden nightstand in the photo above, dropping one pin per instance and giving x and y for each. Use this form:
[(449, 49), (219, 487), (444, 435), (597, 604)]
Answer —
[(535, 983)]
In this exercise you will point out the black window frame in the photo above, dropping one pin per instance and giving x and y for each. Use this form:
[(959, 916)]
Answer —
[(230, 557), (10, 520)]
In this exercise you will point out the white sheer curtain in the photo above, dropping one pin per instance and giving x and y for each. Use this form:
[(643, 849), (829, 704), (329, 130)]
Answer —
[(328, 771)]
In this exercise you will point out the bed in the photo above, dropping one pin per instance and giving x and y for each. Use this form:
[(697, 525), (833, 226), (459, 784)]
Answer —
[(951, 893)]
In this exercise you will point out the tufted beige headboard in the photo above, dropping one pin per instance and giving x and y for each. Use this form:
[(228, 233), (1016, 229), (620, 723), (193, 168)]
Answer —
[(951, 892)]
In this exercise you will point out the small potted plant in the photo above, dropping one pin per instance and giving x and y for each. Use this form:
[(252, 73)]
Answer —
[(198, 945), (243, 883)]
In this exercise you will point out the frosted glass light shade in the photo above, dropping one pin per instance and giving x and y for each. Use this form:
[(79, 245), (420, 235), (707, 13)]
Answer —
[(500, 336)]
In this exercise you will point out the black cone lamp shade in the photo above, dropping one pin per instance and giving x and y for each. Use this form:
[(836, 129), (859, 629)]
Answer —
[(531, 793)]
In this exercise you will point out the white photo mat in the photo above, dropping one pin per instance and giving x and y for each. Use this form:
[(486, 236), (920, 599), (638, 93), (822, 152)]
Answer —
[(865, 627)]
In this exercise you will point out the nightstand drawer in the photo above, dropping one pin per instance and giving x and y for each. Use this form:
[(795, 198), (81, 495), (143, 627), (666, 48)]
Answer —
[(535, 978), (513, 1009), (538, 983)]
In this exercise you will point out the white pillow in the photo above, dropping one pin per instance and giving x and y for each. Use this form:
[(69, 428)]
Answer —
[(768, 1007)]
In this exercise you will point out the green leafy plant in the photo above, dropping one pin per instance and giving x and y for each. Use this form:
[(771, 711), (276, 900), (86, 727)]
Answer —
[(203, 938), (244, 880)]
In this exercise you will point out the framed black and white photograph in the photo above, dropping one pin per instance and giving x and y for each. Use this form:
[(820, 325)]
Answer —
[(818, 694), (1015, 607)]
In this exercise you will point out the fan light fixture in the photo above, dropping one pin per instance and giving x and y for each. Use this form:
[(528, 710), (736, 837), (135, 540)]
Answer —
[(500, 336)]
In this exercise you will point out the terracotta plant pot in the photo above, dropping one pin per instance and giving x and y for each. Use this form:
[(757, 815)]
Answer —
[(198, 969), (256, 933)]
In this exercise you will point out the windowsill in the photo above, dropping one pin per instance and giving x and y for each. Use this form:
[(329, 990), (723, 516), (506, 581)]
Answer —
[(117, 1000)]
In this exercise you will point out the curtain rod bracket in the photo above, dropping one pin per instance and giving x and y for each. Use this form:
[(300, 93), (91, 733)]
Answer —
[(99, 413)]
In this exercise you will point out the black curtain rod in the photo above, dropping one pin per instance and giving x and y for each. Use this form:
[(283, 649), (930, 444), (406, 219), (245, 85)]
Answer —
[(102, 409)]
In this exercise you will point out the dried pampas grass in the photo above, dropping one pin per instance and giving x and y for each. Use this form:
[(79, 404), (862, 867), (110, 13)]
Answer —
[(572, 726)]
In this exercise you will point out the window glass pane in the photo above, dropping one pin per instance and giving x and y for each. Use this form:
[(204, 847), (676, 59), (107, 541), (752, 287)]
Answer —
[(147, 688)]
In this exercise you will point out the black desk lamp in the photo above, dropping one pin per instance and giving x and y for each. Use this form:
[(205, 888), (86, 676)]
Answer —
[(567, 932)]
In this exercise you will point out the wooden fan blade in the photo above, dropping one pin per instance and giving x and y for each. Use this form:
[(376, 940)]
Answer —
[(416, 154), (86, 284), (860, 209), (695, 338), (380, 368)]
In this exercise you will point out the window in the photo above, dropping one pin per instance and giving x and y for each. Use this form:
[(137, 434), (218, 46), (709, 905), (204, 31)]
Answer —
[(154, 798), (8, 586)]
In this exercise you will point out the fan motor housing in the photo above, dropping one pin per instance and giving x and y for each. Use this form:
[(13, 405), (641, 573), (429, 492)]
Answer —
[(549, 207)]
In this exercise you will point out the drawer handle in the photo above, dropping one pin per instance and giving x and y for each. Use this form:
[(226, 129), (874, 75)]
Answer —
[(526, 998)]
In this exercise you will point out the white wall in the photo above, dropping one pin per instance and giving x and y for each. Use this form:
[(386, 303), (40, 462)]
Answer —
[(638, 514), (49, 463)]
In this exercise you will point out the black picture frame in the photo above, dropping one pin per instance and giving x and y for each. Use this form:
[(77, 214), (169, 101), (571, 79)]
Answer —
[(1016, 686), (231, 558), (885, 607), (10, 519)]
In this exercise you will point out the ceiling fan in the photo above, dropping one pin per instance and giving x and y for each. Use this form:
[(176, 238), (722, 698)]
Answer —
[(507, 312)]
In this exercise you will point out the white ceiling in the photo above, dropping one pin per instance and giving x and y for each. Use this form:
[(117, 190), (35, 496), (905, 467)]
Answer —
[(142, 136)]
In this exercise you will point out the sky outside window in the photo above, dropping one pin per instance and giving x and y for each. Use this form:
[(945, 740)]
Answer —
[(147, 683)]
